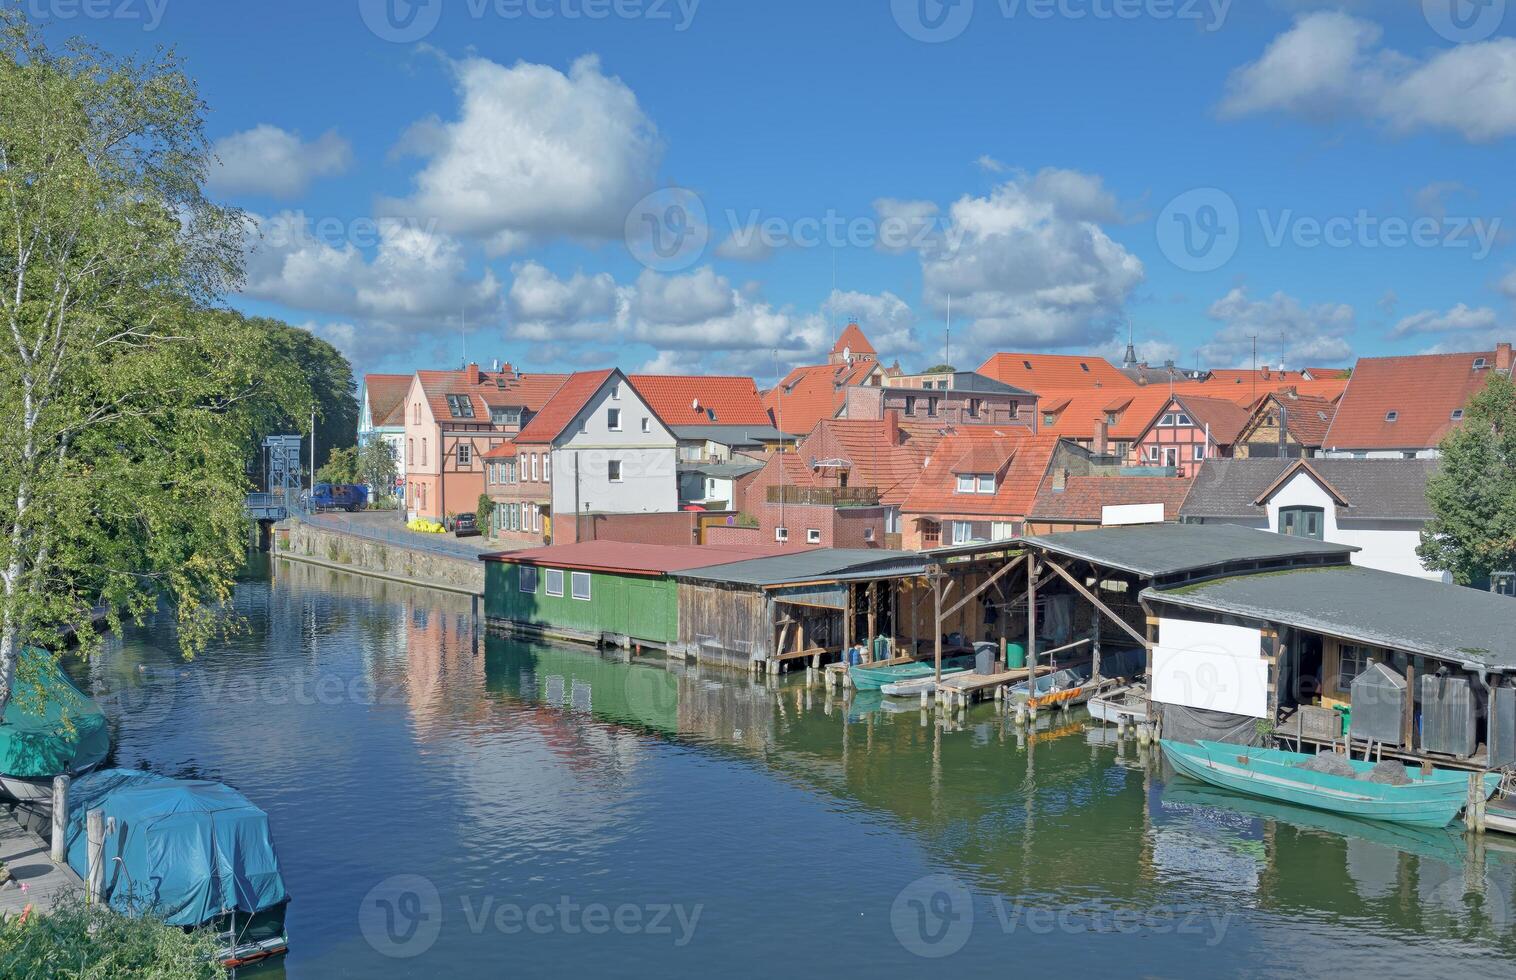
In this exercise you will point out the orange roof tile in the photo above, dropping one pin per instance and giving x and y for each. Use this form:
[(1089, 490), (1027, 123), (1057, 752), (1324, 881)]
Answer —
[(1422, 390), (892, 468), (1084, 498), (548, 424), (1026, 463), (853, 341), (486, 389), (1043, 373), (1306, 417), (809, 394), (1078, 414), (506, 450), (700, 400)]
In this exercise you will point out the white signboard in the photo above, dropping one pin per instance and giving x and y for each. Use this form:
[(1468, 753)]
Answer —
[(1211, 666), (1121, 514)]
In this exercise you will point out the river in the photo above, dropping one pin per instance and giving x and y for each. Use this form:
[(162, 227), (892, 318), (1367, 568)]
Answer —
[(449, 804)]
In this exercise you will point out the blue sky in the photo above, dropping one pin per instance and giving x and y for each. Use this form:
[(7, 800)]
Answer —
[(1332, 178)]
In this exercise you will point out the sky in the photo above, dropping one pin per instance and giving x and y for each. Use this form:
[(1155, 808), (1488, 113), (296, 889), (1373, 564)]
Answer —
[(718, 186)]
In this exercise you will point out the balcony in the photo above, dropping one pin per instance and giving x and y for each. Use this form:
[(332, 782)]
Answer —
[(825, 496)]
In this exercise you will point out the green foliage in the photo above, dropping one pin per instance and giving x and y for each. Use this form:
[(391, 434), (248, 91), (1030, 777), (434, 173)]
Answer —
[(330, 379), (126, 403), (940, 369), (77, 941), (1473, 493), (377, 467), (341, 467), (483, 512)]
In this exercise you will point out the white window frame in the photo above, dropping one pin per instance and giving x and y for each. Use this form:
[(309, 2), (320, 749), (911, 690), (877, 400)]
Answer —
[(781, 534), (613, 419), (547, 467), (647, 424), (1199, 451), (613, 470), (987, 483), (615, 393), (963, 532), (522, 577), (1153, 453), (554, 574), (465, 453), (575, 580), (1002, 530), (534, 467), (868, 534), (966, 482), (813, 535)]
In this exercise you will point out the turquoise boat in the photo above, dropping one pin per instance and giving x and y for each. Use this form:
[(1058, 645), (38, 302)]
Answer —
[(1431, 800), (869, 678), (50, 728)]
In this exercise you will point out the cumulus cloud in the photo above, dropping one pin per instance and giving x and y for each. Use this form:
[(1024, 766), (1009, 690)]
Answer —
[(272, 161), (533, 154), (411, 283), (1283, 326), (544, 307), (1029, 265), (1331, 64), (1507, 285), (1460, 319)]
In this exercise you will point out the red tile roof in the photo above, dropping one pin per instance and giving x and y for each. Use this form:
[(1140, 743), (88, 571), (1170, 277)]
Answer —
[(549, 423), (1306, 417), (633, 559), (386, 397), (1423, 390), (853, 341), (506, 450), (699, 400), (809, 394), (1084, 498), (1078, 414), (486, 389), (1027, 458), (1225, 419), (1044, 373), (892, 468), (1264, 376)]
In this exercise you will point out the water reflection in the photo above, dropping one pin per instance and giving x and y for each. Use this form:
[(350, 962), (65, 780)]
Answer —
[(385, 734)]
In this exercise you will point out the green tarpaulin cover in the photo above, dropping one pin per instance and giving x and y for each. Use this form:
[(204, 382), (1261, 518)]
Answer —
[(50, 728), (190, 850)]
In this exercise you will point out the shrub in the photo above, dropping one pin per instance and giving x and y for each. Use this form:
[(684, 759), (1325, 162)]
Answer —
[(77, 941)]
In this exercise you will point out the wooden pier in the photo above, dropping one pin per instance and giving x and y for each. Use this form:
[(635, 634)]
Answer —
[(965, 688), (26, 855)]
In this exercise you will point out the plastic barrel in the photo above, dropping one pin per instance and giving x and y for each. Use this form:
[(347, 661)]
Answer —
[(1015, 656)]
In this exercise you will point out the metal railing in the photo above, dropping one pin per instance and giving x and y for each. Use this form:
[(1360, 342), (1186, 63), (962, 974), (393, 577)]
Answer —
[(825, 496)]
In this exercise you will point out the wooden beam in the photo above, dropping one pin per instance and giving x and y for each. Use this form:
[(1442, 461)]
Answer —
[(976, 593), (1031, 618), (1095, 600), (873, 622), (937, 627)]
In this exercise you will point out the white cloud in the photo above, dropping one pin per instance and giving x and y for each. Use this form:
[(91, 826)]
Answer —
[(683, 300), (272, 161), (1282, 326), (1028, 265), (1331, 64), (745, 247), (1507, 285), (534, 154), (416, 284), (544, 307), (1460, 319)]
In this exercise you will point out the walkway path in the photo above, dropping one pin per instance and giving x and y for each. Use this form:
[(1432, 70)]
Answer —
[(388, 527), (25, 854)]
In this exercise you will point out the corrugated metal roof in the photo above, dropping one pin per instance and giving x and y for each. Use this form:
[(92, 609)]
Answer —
[(731, 435), (807, 566), (1161, 550), (721, 471), (1399, 612)]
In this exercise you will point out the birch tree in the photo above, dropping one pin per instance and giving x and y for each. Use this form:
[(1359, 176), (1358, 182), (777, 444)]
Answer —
[(126, 401)]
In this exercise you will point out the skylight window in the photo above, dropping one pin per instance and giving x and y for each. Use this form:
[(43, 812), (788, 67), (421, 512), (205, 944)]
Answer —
[(1027, 365), (1457, 415), (1391, 416), (461, 406), (1084, 367), (1480, 363)]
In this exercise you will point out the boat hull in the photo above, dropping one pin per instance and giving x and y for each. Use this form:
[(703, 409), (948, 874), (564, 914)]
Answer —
[(1433, 801), (867, 678), (918, 686), (1119, 706)]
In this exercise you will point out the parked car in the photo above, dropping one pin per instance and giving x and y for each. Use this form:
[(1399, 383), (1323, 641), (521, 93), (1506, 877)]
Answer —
[(339, 496), (466, 526)]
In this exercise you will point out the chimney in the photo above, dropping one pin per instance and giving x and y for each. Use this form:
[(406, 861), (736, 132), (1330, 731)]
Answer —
[(892, 426), (1503, 358), (1102, 437), (471, 373)]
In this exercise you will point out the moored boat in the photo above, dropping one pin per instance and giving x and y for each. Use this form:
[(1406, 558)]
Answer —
[(1125, 704), (918, 686), (50, 728), (870, 677), (1426, 800)]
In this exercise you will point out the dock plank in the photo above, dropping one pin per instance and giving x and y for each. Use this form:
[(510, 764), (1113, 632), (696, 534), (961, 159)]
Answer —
[(26, 855)]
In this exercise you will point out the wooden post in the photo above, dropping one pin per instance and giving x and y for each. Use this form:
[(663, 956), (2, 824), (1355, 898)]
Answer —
[(847, 621), (1095, 629), (894, 615), (915, 617), (94, 883), (1031, 621), (59, 850), (1408, 728), (873, 618), (937, 624), (1474, 814)]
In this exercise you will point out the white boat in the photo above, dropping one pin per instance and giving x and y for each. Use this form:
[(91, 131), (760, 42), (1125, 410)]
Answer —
[(918, 686), (1128, 704)]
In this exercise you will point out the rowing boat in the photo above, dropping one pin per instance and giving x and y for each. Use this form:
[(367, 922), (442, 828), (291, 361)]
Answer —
[(1128, 704), (1429, 800), (870, 678)]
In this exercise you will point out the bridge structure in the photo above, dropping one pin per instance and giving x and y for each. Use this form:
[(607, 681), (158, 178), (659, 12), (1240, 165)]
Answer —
[(281, 493)]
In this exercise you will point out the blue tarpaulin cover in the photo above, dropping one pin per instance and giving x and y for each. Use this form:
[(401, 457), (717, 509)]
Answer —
[(49, 727), (190, 850)]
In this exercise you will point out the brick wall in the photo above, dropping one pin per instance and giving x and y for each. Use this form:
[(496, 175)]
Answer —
[(677, 527), (733, 535)]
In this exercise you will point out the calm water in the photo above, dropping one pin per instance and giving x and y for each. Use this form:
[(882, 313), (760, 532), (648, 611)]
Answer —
[(454, 806)]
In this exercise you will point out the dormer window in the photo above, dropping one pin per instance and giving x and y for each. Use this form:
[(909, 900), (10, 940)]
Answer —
[(1049, 418), (1110, 418), (976, 483), (1391, 416), (1457, 415)]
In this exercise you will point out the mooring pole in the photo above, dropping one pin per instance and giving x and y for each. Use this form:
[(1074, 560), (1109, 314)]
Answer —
[(58, 851), (94, 884)]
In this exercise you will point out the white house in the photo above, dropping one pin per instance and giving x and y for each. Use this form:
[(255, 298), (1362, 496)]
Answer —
[(1376, 505), (382, 414)]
